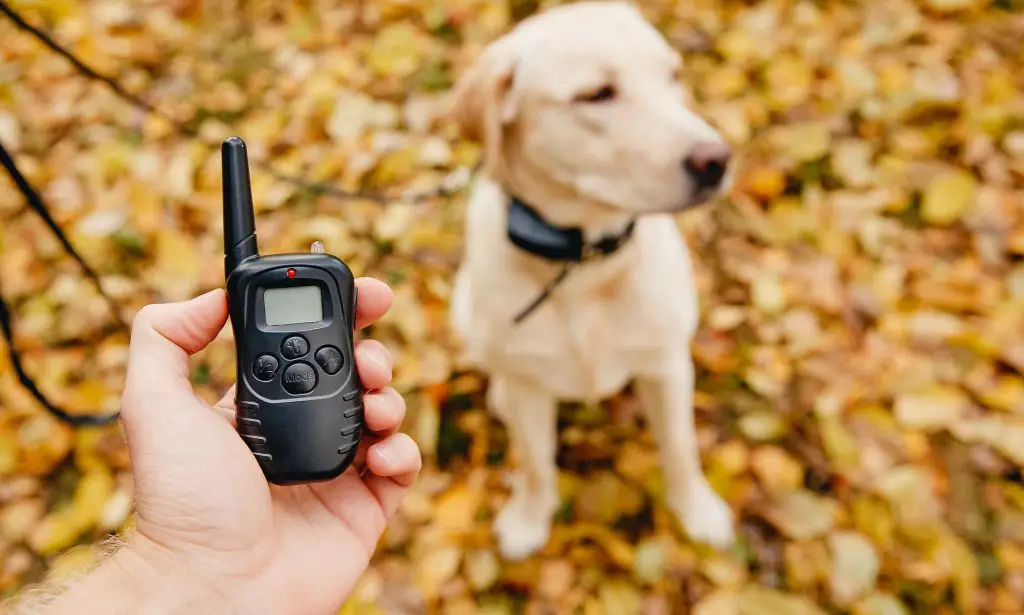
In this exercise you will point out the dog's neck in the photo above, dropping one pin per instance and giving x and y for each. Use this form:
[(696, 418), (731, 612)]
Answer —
[(561, 206), (530, 232)]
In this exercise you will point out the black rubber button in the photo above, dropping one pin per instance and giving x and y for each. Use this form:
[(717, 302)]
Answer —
[(244, 420), (264, 367), (299, 378), (350, 395), (329, 358), (294, 347)]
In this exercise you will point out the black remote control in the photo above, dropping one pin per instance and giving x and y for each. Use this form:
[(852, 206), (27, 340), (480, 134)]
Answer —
[(298, 396)]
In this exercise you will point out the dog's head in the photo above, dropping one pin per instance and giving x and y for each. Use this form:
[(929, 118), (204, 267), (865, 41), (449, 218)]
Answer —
[(586, 99)]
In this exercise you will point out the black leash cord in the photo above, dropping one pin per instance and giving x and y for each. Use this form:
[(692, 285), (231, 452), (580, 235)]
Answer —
[(36, 203), (544, 294), (77, 420)]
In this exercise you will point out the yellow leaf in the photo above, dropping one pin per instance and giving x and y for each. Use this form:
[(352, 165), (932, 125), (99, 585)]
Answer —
[(1007, 394), (456, 509), (762, 426), (359, 607), (116, 511), (650, 560), (803, 142), (482, 569), (725, 83), (436, 568), (71, 564), (58, 531), (756, 600), (619, 597), (720, 602), (952, 6), (8, 453), (91, 495), (44, 443), (880, 604), (769, 294), (398, 50), (776, 470), (855, 566), (957, 558), (724, 571), (19, 518), (789, 79), (931, 409), (617, 549), (802, 515), (807, 563), (947, 198)]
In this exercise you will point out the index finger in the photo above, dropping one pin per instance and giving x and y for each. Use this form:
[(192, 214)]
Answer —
[(373, 298)]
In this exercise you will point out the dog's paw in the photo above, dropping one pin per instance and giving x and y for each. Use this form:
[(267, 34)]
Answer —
[(522, 529), (704, 515)]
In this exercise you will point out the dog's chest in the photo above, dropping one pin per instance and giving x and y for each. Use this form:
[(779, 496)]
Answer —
[(601, 329), (601, 348)]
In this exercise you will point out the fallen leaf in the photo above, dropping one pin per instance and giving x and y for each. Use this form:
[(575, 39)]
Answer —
[(482, 569), (755, 600), (932, 409), (855, 566), (947, 198), (620, 597), (802, 515), (775, 470), (880, 604)]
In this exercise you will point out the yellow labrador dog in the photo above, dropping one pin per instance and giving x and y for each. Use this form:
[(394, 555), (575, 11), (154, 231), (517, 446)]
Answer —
[(589, 148)]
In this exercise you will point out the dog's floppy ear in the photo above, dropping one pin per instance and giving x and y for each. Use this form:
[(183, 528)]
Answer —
[(482, 103)]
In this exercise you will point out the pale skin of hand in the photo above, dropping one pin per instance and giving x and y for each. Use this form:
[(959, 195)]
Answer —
[(212, 536)]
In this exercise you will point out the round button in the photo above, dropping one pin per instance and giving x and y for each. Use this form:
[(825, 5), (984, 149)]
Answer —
[(329, 358), (264, 367), (299, 378), (294, 347)]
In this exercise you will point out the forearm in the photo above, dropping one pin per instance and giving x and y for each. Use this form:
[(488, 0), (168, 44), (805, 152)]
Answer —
[(129, 582)]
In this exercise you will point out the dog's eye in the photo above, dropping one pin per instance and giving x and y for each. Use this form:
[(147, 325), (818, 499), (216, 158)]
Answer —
[(601, 94)]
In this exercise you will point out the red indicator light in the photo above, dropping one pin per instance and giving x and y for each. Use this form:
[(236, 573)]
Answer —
[(291, 273)]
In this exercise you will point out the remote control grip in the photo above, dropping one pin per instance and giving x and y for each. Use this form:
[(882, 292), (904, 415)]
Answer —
[(302, 441)]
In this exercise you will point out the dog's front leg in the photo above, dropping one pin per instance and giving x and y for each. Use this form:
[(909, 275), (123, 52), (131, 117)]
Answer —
[(530, 416), (668, 402)]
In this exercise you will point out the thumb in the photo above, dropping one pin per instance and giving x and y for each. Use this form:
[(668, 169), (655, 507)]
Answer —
[(163, 337)]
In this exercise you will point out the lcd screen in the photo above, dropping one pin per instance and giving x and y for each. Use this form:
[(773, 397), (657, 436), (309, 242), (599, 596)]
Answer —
[(293, 305)]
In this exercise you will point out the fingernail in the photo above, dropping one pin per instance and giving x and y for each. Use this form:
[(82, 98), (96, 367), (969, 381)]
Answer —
[(206, 295), (376, 356), (380, 448)]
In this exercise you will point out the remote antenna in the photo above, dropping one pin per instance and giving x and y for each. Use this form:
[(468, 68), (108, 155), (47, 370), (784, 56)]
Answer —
[(239, 219)]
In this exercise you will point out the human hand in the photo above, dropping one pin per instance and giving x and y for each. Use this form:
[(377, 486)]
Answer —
[(205, 515)]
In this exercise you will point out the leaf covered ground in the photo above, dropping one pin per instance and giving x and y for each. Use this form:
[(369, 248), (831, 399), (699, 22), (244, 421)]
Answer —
[(860, 392)]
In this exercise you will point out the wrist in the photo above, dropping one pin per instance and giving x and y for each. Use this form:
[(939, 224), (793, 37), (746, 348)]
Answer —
[(165, 585), (140, 579)]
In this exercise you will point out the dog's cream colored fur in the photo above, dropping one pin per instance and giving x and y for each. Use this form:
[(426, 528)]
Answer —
[(626, 317)]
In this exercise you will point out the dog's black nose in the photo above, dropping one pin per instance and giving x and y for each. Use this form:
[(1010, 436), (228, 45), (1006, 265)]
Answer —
[(707, 163)]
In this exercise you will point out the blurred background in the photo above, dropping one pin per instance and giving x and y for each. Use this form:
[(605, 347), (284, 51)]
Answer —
[(860, 395)]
